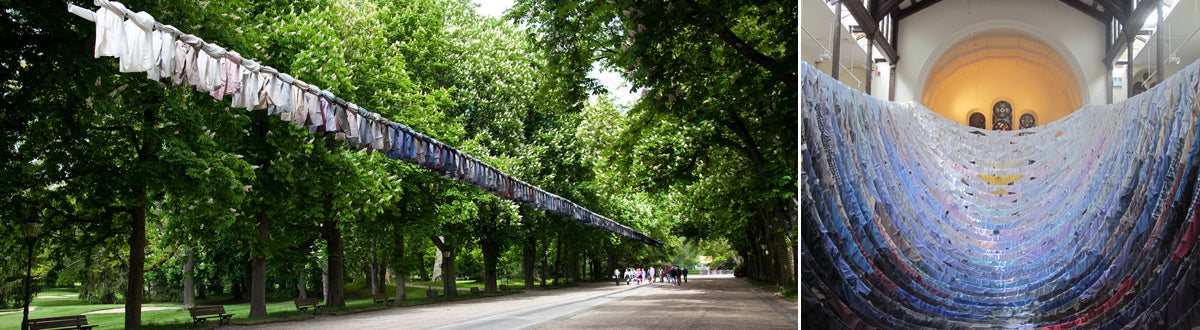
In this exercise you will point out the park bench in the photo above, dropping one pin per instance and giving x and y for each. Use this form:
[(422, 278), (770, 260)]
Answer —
[(431, 294), (309, 303), (475, 290), (382, 298), (202, 314), (61, 322)]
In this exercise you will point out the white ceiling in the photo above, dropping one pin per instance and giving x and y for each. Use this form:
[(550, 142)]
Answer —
[(817, 24), (1182, 23)]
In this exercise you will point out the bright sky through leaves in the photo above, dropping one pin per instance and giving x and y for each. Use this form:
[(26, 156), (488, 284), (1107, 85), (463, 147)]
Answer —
[(616, 85)]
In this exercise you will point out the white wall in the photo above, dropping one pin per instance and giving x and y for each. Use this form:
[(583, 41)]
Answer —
[(925, 36), (879, 82)]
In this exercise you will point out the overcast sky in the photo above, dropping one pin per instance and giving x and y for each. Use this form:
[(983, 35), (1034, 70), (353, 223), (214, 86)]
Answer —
[(611, 80)]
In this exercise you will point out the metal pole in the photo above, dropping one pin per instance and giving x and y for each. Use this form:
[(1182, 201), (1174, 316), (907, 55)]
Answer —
[(1108, 86), (28, 280), (870, 63), (1158, 45), (1129, 67), (891, 81), (837, 43)]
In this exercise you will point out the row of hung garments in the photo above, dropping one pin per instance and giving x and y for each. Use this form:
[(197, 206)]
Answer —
[(164, 52), (877, 269), (1031, 247)]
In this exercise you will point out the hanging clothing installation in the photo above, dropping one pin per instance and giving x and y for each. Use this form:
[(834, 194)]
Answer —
[(916, 221), (190, 61)]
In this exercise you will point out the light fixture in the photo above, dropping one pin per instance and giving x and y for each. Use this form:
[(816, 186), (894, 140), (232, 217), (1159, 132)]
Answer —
[(31, 229), (1173, 59)]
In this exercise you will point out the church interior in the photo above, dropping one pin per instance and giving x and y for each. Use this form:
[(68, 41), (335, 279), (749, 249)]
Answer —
[(1000, 164)]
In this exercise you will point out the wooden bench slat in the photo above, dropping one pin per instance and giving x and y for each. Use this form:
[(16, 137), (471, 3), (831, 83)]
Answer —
[(60, 322), (383, 297), (202, 314), (309, 303)]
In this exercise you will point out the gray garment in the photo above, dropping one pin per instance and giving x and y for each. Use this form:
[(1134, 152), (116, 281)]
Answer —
[(280, 93), (420, 146)]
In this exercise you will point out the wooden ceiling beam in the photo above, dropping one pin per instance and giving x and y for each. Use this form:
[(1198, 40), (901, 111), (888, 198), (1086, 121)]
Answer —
[(870, 25), (1090, 11), (1130, 29), (880, 8), (916, 7), (1117, 10)]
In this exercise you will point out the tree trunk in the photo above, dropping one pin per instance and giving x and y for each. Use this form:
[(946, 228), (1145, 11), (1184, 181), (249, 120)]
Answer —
[(575, 266), (558, 259), (424, 273), (137, 261), (445, 244), (529, 262), (189, 278), (382, 275), (612, 262), (545, 267), (325, 282), (258, 281), (337, 265), (437, 263), (491, 256), (782, 211), (248, 277), (401, 270), (301, 284), (373, 276)]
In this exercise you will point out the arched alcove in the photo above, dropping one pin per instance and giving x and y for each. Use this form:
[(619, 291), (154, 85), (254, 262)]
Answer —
[(1002, 64)]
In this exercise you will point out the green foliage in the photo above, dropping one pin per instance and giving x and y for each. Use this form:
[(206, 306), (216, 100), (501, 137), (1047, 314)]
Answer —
[(713, 137), (82, 146)]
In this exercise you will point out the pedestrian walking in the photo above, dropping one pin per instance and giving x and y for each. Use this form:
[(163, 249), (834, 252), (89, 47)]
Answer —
[(617, 276)]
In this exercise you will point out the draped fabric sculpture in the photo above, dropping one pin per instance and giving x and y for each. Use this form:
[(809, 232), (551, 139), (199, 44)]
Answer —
[(916, 221)]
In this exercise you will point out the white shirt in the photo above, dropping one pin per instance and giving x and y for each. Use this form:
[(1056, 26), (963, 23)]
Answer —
[(139, 50), (164, 56), (110, 32)]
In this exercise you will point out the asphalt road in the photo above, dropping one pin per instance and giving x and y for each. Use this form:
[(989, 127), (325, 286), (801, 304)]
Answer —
[(705, 302)]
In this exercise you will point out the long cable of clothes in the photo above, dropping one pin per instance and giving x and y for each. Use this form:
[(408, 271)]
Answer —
[(163, 52), (914, 221)]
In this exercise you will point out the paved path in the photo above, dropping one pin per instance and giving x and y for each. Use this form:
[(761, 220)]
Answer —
[(706, 302)]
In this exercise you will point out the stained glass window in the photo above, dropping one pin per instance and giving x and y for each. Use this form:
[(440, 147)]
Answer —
[(1002, 116), (1028, 121), (977, 120)]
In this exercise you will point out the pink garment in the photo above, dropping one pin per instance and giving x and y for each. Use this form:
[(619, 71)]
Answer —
[(265, 80), (299, 107), (191, 68), (185, 61), (352, 134), (231, 76)]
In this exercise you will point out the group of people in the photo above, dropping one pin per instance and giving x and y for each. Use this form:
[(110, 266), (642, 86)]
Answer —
[(666, 274)]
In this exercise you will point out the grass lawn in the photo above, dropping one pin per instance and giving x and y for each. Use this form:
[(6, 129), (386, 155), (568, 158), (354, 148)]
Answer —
[(778, 290), (357, 299)]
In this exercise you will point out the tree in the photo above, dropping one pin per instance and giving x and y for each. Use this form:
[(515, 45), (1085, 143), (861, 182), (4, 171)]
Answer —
[(720, 80)]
